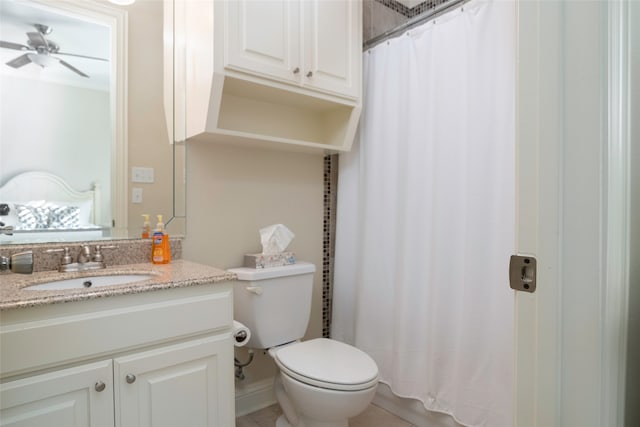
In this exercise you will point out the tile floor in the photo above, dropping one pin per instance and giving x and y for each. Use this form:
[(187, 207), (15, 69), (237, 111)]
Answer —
[(372, 417)]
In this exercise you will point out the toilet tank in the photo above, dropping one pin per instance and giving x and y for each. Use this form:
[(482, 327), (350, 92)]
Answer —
[(274, 303)]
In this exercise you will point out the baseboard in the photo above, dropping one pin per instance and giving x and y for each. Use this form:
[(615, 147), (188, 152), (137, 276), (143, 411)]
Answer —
[(411, 410), (253, 397)]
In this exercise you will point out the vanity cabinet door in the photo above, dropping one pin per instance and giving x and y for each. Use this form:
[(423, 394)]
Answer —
[(76, 397), (187, 384)]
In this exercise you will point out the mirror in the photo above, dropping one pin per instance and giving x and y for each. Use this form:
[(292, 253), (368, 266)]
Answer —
[(49, 124)]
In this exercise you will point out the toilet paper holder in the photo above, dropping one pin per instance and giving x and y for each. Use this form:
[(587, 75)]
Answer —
[(240, 336)]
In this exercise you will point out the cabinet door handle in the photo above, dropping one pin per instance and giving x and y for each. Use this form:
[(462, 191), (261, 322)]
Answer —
[(100, 386), (296, 70), (310, 74), (130, 378)]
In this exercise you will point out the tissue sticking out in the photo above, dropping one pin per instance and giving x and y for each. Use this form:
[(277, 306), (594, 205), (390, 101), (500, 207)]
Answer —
[(275, 239)]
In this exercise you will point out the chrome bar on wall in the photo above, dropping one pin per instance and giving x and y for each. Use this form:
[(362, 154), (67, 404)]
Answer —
[(413, 22)]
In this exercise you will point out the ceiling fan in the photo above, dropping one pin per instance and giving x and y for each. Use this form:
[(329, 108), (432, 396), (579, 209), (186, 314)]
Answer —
[(40, 51)]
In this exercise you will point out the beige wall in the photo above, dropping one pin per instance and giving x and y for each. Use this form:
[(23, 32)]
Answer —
[(147, 131), (232, 192)]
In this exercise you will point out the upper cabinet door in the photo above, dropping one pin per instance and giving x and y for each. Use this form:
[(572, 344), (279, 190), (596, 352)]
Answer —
[(333, 46), (263, 37)]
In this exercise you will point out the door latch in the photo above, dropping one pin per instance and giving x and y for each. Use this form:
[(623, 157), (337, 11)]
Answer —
[(522, 273)]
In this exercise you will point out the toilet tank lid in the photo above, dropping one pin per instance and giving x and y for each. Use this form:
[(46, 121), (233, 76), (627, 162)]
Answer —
[(300, 267)]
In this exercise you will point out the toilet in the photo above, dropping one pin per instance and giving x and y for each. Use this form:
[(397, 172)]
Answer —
[(321, 382)]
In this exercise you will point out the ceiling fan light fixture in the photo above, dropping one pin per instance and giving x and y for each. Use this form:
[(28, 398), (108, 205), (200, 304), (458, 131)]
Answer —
[(41, 60), (123, 2)]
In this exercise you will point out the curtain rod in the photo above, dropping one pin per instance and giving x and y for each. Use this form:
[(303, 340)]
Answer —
[(413, 22)]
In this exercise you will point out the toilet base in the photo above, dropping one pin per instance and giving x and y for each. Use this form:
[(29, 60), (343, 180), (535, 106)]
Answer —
[(282, 422)]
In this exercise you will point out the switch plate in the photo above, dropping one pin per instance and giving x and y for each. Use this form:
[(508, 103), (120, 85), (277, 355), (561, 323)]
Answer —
[(136, 195), (139, 174)]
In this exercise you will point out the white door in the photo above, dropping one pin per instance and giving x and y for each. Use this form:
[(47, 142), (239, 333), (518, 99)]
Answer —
[(332, 46), (264, 38), (76, 397), (570, 212), (187, 384)]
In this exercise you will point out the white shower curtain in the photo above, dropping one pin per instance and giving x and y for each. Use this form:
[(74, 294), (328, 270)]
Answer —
[(425, 216)]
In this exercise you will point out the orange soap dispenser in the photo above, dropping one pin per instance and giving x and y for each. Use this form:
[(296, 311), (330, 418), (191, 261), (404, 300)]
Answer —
[(160, 249)]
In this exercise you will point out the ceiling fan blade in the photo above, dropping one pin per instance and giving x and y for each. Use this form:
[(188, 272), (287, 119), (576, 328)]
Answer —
[(43, 29), (16, 46), (72, 68), (37, 39), (19, 61), (82, 56)]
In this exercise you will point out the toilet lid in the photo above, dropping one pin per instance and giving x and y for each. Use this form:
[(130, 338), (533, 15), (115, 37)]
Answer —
[(329, 364)]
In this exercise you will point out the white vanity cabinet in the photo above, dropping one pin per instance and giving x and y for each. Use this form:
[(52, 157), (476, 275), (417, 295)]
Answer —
[(311, 43), (181, 385), (278, 73), (73, 397), (162, 358)]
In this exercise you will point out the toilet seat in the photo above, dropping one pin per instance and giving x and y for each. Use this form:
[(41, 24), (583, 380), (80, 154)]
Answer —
[(329, 364)]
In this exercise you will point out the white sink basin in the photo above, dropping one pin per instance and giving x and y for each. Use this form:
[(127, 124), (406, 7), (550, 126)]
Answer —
[(90, 282)]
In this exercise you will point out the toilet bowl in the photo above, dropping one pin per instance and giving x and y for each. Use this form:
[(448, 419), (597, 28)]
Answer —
[(320, 382)]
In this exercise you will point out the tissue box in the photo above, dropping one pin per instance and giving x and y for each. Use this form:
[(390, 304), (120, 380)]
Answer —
[(267, 261)]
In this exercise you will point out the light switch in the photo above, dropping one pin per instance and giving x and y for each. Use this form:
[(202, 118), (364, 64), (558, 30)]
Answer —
[(136, 195)]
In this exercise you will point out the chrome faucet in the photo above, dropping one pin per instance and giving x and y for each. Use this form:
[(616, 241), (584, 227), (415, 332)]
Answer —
[(84, 261), (84, 255), (18, 263), (8, 230)]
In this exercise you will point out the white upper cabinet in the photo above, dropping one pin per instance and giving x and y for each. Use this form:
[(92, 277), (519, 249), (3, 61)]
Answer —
[(281, 73), (332, 46), (310, 43), (264, 38)]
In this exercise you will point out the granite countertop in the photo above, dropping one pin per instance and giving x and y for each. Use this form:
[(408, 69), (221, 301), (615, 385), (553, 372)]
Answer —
[(178, 273)]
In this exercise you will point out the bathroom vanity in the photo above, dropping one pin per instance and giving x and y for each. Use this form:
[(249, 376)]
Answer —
[(158, 352)]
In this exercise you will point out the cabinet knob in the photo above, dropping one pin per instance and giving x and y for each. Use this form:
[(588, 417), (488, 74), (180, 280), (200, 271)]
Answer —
[(100, 386), (296, 70), (130, 378), (310, 74)]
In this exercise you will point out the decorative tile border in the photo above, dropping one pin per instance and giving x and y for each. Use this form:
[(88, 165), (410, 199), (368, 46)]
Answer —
[(328, 238), (414, 11), (424, 6), (396, 6)]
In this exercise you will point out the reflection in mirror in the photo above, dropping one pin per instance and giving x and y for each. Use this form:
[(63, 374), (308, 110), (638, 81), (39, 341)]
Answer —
[(39, 131), (62, 79)]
